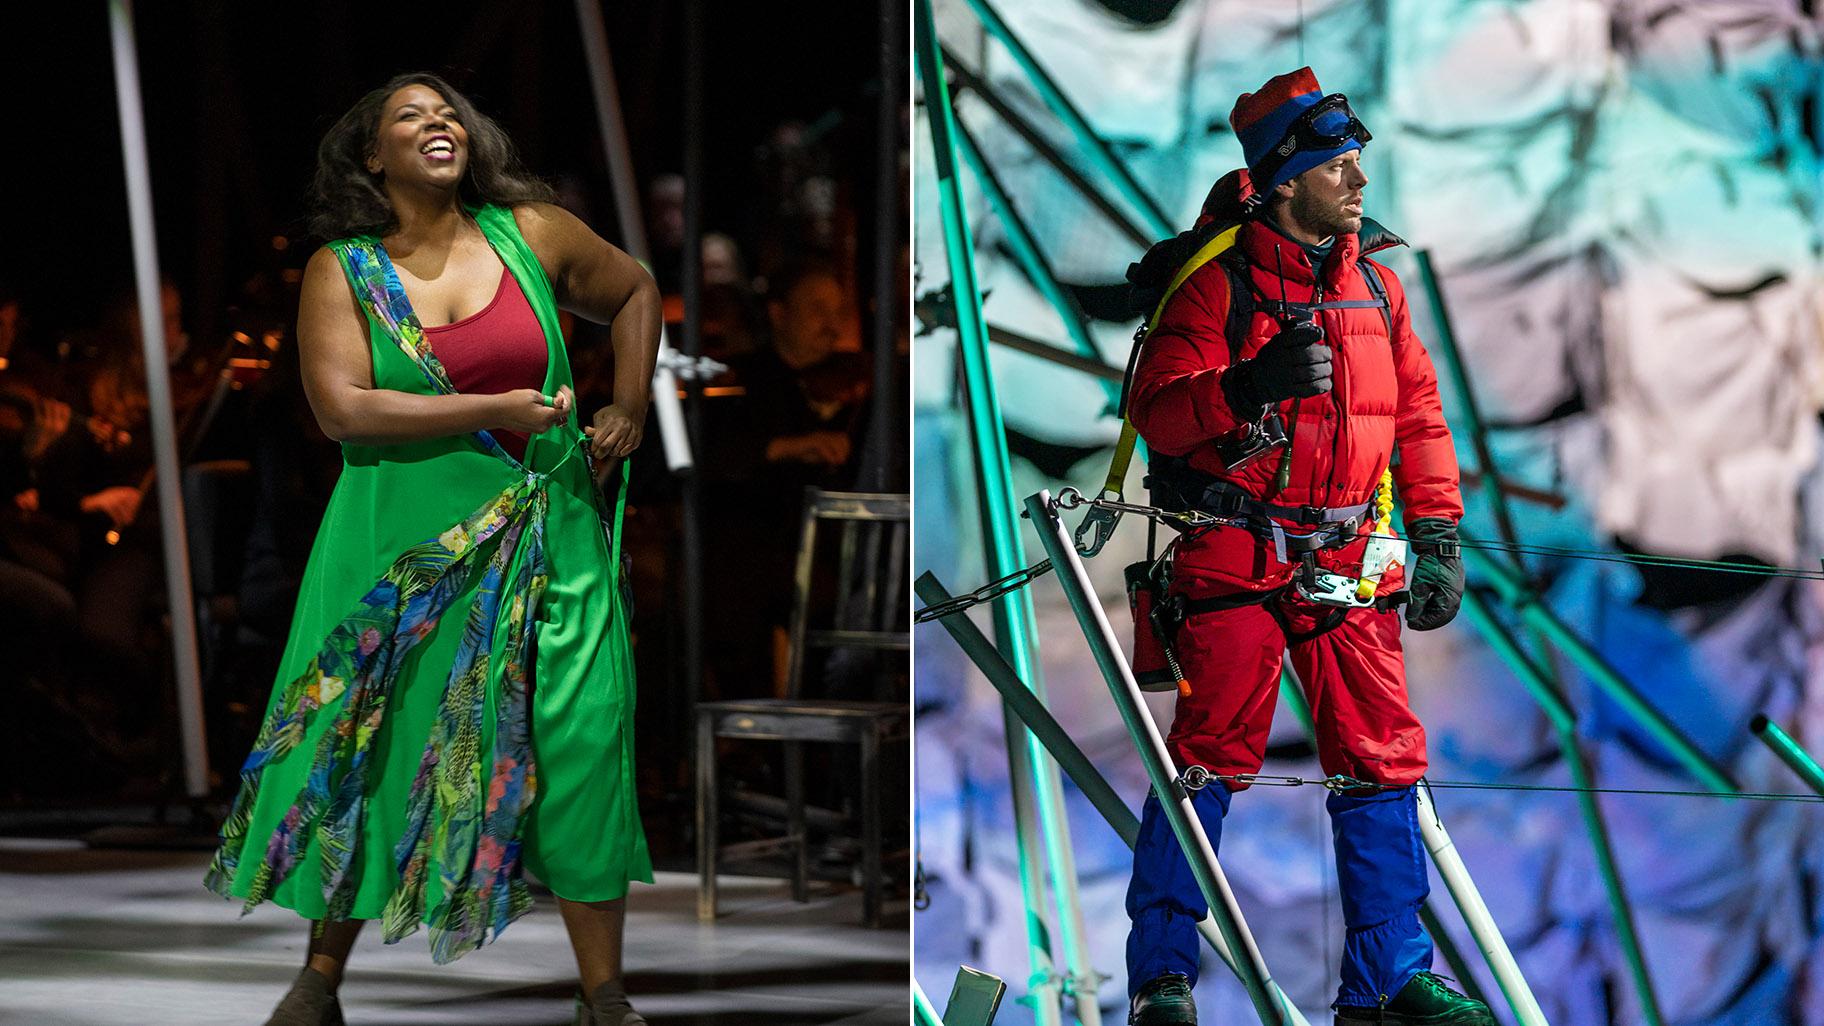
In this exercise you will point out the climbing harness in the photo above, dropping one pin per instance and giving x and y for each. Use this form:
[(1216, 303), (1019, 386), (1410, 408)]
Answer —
[(1383, 552), (1070, 498)]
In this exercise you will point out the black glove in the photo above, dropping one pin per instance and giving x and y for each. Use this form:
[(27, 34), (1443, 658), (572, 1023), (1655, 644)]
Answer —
[(1293, 364), (1436, 583)]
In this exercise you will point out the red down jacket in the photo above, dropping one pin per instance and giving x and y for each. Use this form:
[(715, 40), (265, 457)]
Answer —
[(1385, 394)]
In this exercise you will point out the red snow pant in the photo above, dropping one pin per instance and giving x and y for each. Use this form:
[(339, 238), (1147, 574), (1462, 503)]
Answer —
[(1354, 678)]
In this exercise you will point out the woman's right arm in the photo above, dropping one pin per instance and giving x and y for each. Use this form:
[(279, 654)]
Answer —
[(339, 378)]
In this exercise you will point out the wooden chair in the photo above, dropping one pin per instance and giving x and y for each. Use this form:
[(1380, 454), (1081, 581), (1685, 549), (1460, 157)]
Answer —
[(870, 615)]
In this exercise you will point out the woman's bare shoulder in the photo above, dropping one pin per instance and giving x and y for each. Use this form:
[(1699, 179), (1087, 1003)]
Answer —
[(322, 269), (555, 235), (325, 291), (549, 224)]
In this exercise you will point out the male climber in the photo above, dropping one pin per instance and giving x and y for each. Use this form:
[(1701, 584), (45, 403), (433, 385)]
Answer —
[(1328, 363)]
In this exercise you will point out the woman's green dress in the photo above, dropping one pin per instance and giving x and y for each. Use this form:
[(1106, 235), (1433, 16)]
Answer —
[(456, 694)]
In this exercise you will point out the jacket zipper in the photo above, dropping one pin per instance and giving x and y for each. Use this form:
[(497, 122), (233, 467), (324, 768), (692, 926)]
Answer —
[(1317, 298), (1336, 402)]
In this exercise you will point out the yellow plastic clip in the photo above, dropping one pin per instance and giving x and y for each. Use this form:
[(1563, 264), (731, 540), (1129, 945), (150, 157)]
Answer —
[(1383, 524)]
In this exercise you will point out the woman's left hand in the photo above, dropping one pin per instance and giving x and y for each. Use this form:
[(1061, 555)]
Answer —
[(616, 432)]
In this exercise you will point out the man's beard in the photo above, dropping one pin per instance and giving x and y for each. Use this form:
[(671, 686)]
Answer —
[(1322, 219)]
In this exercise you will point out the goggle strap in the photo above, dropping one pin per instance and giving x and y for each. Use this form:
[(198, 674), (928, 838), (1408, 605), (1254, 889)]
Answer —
[(1302, 134)]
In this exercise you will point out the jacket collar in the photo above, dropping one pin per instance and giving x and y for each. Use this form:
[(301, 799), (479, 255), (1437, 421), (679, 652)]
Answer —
[(1270, 249), (1375, 237), (1276, 253)]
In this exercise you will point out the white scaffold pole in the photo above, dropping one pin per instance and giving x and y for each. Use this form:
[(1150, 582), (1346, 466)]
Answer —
[(158, 393), (613, 128), (1475, 913), (1269, 1003)]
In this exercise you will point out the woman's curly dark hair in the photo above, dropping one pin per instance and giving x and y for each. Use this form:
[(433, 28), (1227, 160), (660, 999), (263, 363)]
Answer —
[(346, 199)]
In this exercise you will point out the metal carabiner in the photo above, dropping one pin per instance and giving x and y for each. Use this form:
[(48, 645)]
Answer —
[(1097, 527), (1337, 783)]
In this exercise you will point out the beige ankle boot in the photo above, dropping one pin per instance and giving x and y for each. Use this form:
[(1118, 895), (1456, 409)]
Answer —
[(607, 1007), (309, 1002)]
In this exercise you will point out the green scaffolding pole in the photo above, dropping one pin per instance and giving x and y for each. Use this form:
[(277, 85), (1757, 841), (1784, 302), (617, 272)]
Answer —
[(1533, 611), (969, 81), (1032, 261), (1294, 697), (1030, 771), (1789, 751), (1093, 145), (922, 1009), (1466, 397)]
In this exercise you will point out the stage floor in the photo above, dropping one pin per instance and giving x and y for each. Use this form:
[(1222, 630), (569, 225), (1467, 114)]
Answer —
[(99, 938)]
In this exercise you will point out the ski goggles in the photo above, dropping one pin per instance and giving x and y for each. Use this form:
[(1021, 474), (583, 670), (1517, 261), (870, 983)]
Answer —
[(1303, 135)]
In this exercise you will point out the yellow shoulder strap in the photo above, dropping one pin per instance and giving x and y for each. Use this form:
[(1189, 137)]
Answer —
[(1124, 447)]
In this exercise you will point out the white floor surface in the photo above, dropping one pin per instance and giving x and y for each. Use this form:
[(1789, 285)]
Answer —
[(117, 938)]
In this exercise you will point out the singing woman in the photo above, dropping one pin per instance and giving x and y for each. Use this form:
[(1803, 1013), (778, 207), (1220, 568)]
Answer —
[(454, 706)]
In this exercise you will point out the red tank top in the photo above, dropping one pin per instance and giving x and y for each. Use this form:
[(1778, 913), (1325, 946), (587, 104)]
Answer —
[(497, 349)]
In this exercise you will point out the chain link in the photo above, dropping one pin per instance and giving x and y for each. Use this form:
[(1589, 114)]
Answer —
[(1068, 498), (986, 593)]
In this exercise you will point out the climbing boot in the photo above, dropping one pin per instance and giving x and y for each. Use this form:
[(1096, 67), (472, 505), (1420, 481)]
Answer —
[(309, 1002), (1164, 1001), (1426, 1000), (607, 1007)]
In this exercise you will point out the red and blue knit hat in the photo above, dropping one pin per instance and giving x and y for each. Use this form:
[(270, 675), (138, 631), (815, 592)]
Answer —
[(1263, 119)]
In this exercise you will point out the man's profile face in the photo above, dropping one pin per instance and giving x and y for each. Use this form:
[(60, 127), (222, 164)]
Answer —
[(1327, 200)]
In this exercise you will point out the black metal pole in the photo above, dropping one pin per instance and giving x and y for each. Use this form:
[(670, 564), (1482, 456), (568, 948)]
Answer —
[(691, 282), (889, 457)]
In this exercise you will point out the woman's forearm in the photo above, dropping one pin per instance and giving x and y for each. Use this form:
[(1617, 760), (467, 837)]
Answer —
[(635, 334), (384, 416)]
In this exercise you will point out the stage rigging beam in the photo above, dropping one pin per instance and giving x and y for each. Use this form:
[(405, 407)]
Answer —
[(149, 294)]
